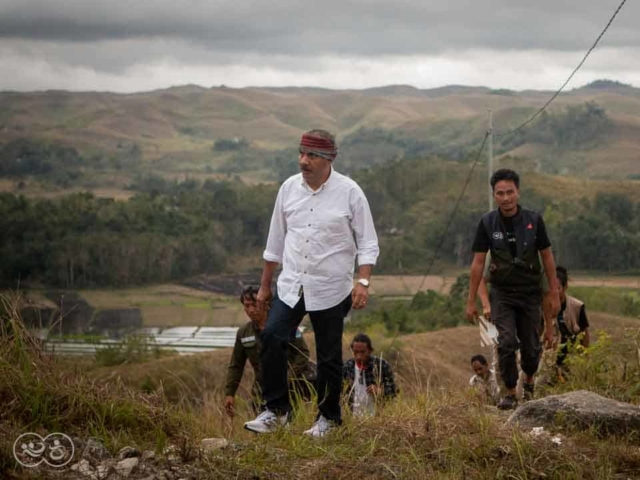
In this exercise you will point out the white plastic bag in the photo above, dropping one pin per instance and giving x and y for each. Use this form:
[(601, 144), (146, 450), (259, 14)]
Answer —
[(488, 332)]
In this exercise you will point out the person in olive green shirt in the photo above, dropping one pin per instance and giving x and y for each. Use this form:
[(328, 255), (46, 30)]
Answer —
[(247, 347)]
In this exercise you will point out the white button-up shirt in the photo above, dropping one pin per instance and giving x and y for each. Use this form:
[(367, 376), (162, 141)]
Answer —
[(316, 236)]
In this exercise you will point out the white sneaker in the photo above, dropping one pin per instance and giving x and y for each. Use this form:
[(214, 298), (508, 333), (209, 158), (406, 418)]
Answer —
[(266, 422), (320, 428)]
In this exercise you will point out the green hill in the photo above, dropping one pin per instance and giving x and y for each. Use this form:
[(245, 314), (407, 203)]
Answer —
[(591, 131)]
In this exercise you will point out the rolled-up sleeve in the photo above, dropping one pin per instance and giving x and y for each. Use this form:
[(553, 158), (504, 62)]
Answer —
[(363, 228), (277, 230)]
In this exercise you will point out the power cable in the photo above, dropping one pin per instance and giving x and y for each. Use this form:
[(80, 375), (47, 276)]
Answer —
[(522, 125), (553, 97), (455, 211)]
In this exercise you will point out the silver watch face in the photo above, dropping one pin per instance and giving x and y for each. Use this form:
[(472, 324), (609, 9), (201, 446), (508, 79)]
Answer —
[(364, 282)]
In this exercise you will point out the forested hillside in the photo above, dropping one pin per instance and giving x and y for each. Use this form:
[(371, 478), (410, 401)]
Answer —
[(172, 230)]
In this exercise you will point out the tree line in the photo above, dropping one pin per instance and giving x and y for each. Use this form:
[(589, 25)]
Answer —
[(412, 203), (60, 164), (80, 240), (173, 230)]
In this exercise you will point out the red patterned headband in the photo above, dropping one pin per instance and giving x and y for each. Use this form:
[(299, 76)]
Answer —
[(322, 147)]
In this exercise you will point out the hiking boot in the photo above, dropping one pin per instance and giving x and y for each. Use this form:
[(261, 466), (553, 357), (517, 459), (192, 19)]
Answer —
[(527, 391), (267, 422), (509, 402), (320, 428)]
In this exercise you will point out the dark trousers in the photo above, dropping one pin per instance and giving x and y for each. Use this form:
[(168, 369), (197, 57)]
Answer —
[(327, 327), (516, 316)]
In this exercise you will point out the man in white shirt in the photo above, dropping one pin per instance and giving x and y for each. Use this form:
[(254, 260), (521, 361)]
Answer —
[(321, 224)]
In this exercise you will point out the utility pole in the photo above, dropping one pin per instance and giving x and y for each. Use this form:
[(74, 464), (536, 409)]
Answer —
[(490, 160)]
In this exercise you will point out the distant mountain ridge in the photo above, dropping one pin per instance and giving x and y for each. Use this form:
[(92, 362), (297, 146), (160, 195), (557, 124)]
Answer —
[(175, 128)]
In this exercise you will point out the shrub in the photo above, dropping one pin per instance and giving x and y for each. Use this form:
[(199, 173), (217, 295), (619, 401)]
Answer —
[(134, 349)]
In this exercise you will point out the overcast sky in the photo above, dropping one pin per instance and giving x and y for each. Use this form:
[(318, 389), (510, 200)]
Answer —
[(138, 45)]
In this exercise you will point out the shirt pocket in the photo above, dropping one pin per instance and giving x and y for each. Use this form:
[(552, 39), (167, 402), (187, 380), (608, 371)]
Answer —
[(336, 223)]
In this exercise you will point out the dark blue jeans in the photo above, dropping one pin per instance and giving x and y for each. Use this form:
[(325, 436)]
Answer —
[(327, 327)]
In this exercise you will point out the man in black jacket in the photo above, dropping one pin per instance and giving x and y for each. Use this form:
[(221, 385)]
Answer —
[(514, 236)]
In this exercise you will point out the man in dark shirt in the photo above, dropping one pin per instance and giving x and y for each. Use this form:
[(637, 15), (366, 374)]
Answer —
[(368, 379), (518, 241), (247, 347), (572, 319)]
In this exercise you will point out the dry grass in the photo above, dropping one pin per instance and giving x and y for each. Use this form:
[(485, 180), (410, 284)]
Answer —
[(435, 429), (407, 285), (432, 361), (39, 395), (155, 120), (427, 436)]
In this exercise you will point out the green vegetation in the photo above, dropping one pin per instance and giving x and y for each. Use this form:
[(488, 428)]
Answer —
[(134, 349), (62, 165), (579, 127), (230, 144), (609, 367), (427, 311), (81, 240), (411, 202), (172, 230), (616, 301), (602, 234), (607, 84)]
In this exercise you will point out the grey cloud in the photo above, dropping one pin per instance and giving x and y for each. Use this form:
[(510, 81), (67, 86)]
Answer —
[(129, 46), (338, 27), (116, 56)]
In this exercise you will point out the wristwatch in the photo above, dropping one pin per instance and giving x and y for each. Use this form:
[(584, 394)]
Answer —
[(364, 282)]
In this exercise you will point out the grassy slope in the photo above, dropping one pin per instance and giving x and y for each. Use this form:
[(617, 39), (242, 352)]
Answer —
[(427, 360), (434, 430)]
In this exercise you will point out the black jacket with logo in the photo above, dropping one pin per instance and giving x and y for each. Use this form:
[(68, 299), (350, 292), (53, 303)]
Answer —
[(522, 271)]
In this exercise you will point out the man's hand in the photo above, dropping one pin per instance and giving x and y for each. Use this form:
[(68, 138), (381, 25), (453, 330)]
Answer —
[(263, 299), (546, 306), (230, 405), (374, 390), (554, 304), (359, 296), (472, 311), (486, 312), (549, 337)]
